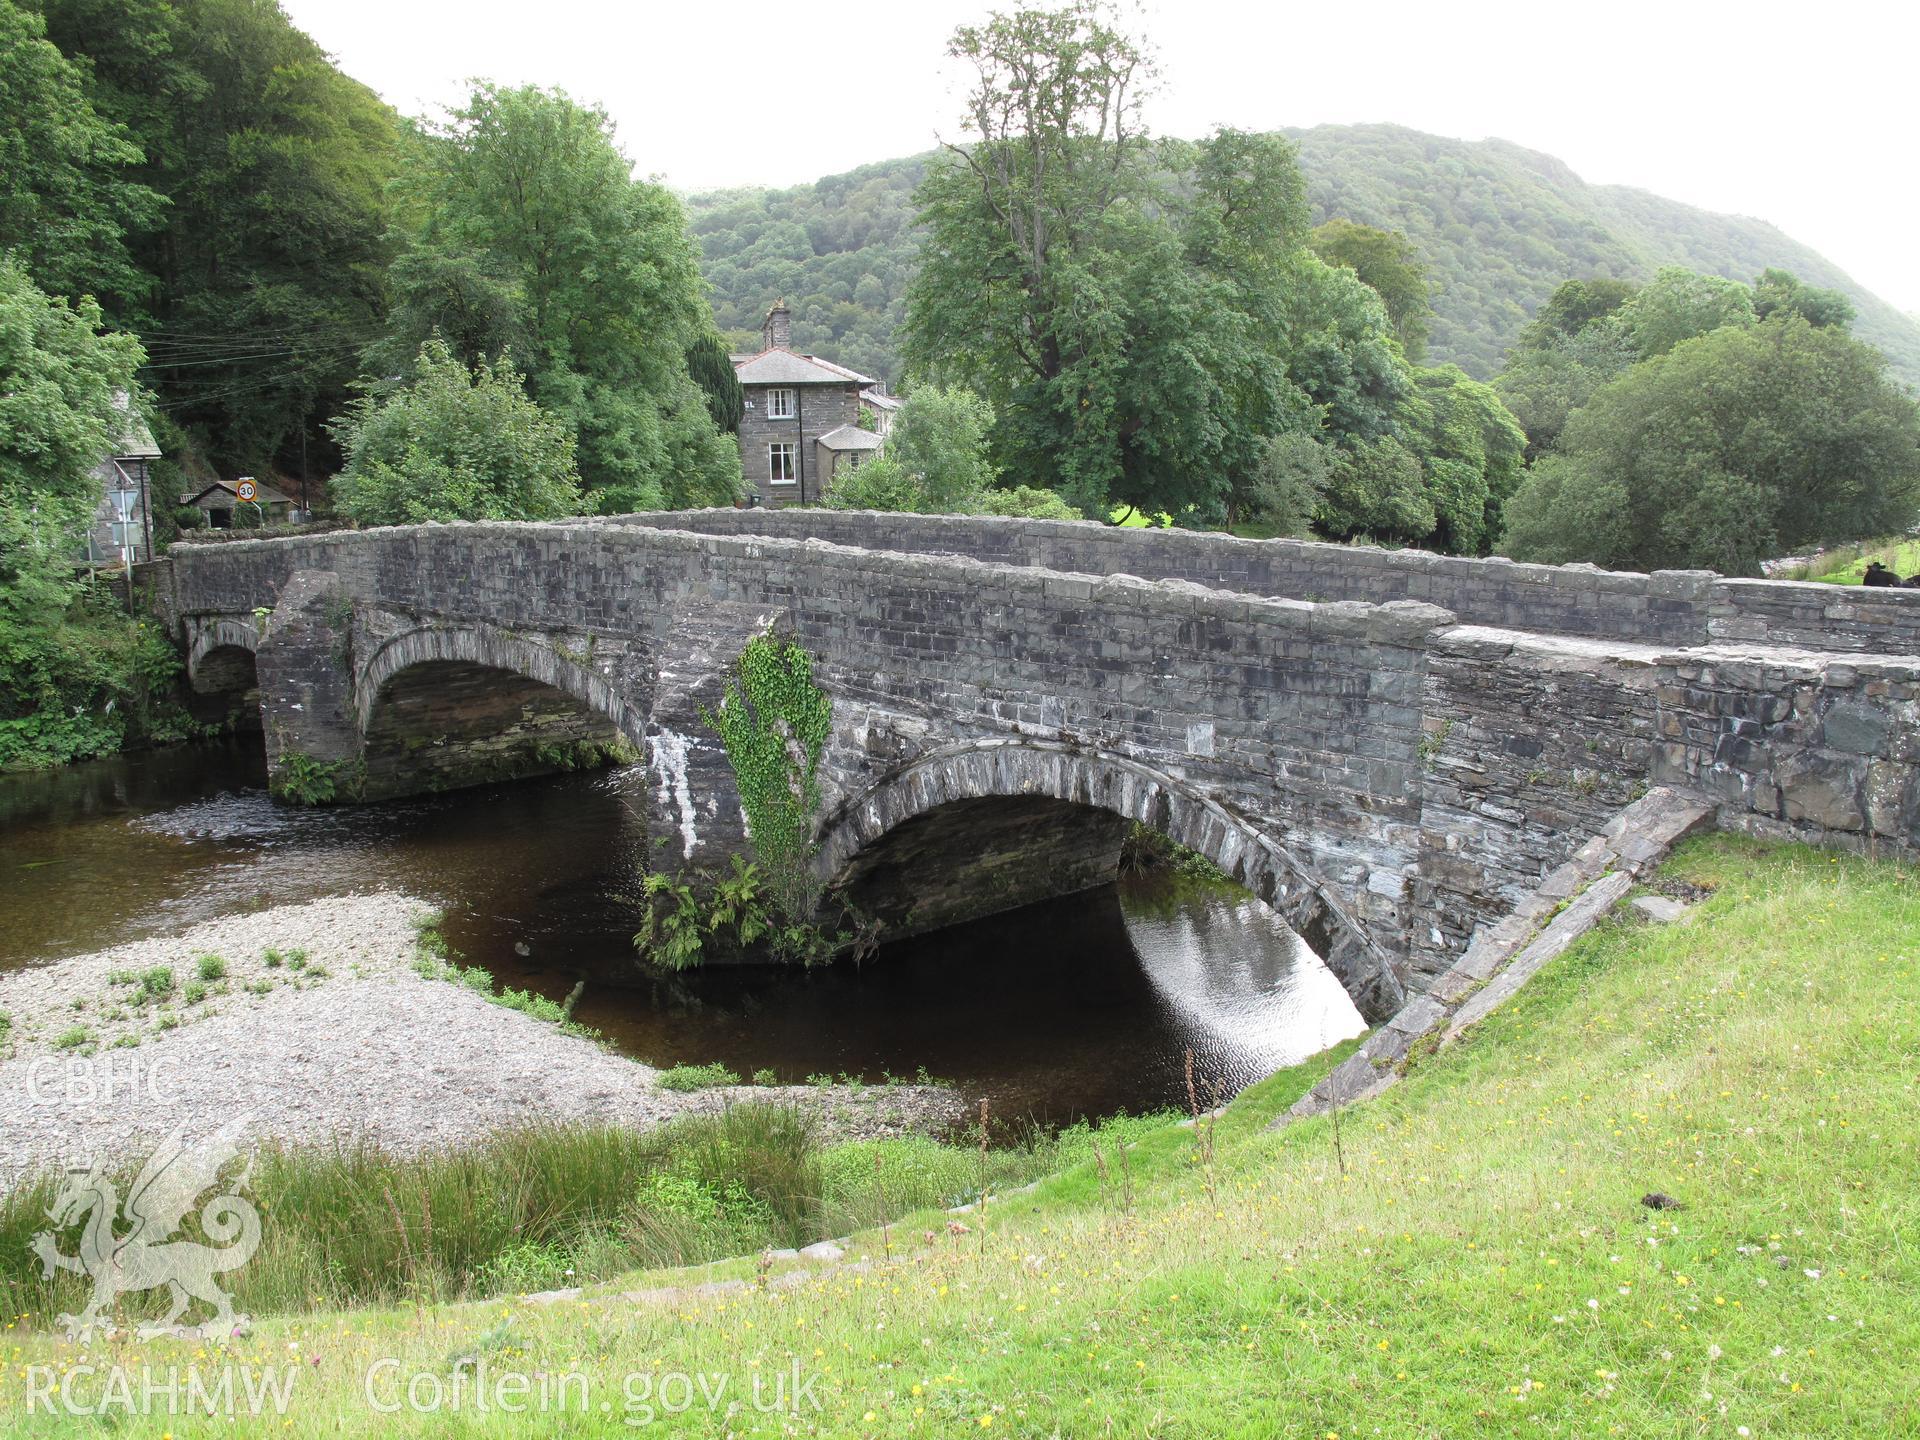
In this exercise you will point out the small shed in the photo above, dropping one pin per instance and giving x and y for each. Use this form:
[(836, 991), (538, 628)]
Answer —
[(122, 529), (843, 449), (220, 500)]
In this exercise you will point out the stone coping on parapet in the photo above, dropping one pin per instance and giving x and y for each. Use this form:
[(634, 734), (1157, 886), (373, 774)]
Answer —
[(1782, 663), (1401, 623)]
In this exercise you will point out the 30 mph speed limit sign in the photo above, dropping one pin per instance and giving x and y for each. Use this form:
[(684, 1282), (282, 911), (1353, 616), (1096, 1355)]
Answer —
[(247, 490)]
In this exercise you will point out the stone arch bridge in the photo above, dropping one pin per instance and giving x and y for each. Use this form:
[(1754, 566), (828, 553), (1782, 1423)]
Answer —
[(1391, 748)]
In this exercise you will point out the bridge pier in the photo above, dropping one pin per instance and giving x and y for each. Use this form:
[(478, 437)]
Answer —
[(306, 692)]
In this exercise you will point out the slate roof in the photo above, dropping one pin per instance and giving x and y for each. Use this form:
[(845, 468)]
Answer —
[(134, 441), (267, 496), (783, 367), (850, 437), (879, 401)]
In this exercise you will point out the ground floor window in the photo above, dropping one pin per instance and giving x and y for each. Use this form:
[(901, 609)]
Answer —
[(780, 469)]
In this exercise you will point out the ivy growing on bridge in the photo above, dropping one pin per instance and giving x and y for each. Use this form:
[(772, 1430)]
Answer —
[(774, 722)]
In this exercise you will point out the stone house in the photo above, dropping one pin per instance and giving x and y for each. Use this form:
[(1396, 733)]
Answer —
[(802, 424), (121, 531)]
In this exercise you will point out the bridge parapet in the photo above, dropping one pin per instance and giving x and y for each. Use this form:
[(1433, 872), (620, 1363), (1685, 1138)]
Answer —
[(1668, 607)]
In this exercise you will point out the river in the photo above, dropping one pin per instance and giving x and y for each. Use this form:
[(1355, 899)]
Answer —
[(1084, 1006)]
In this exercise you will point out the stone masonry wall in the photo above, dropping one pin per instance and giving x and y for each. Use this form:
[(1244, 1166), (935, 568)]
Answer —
[(823, 409), (1534, 738), (1674, 607), (1303, 719), (1424, 774)]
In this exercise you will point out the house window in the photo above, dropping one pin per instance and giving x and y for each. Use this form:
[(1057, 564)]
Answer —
[(780, 460), (780, 404)]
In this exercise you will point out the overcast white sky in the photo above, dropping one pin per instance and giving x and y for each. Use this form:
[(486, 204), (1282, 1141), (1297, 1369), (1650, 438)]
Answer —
[(1799, 114)]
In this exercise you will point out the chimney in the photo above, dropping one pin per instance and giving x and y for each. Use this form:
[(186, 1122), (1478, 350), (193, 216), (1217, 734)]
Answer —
[(778, 331)]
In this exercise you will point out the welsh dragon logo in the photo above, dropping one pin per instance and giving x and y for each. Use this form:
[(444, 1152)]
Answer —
[(146, 1256)]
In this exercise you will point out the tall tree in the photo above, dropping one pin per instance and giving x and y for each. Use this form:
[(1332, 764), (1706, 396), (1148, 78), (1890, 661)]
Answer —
[(1389, 265), (1746, 442), (1679, 304), (712, 370), (940, 440), (1572, 307), (1780, 292), (1471, 448), (61, 378), (527, 222), (68, 193), (1128, 332), (268, 263)]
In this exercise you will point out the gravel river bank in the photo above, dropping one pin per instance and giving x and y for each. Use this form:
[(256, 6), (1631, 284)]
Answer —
[(315, 1021)]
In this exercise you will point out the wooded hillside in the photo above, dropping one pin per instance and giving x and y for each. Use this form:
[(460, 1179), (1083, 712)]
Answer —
[(1498, 226)]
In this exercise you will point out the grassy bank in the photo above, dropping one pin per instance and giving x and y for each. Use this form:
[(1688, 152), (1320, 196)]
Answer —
[(1847, 564), (549, 1206), (1467, 1255)]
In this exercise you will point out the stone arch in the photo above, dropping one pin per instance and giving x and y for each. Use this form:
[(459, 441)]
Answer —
[(444, 707), (494, 649), (1015, 769), (208, 668)]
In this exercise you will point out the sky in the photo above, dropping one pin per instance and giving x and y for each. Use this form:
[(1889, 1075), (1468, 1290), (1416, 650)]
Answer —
[(1801, 115)]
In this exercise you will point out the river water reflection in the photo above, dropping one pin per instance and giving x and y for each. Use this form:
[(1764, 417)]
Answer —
[(1086, 1005)]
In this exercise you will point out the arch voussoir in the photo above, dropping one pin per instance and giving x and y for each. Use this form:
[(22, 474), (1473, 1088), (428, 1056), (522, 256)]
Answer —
[(1016, 769), (499, 650)]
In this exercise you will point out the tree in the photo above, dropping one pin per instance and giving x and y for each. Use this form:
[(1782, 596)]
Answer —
[(1471, 448), (1679, 304), (1778, 292), (1571, 308), (1746, 442), (1337, 344), (62, 379), (524, 214), (1120, 303), (712, 370), (940, 439), (1290, 484), (455, 444), (1377, 491), (882, 483), (936, 463), (1546, 381), (68, 198), (1024, 502), (1389, 265)]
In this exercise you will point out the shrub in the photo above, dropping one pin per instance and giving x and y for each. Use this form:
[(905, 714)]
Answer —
[(210, 968), (695, 1077), (456, 445)]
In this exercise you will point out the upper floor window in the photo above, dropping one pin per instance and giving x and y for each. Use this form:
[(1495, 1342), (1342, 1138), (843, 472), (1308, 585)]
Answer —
[(780, 404), (780, 462)]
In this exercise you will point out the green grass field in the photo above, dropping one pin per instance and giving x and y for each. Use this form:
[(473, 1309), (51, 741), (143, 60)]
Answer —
[(1466, 1255), (1848, 564)]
